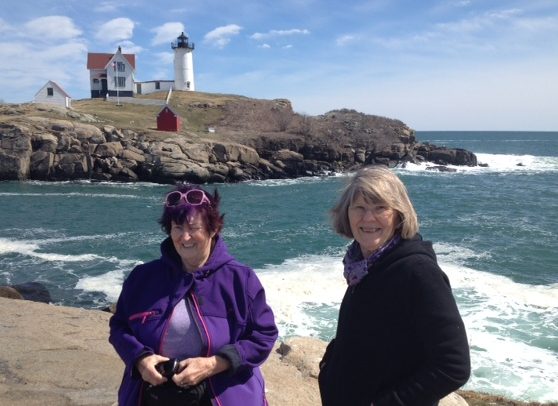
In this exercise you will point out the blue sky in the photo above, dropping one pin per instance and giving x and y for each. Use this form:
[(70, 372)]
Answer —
[(434, 64)]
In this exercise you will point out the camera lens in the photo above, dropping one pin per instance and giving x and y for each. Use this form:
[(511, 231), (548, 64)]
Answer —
[(168, 368)]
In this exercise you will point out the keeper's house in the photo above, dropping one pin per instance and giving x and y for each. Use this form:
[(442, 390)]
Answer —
[(111, 74), (52, 93)]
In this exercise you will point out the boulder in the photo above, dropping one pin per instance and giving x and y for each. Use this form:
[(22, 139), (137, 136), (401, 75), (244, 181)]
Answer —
[(9, 292), (41, 164), (131, 154), (197, 152), (304, 353), (34, 291), (14, 167), (109, 149), (87, 132), (44, 142)]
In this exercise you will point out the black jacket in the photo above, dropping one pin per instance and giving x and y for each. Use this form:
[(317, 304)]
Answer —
[(400, 339)]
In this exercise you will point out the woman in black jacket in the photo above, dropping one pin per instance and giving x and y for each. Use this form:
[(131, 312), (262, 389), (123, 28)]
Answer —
[(400, 339)]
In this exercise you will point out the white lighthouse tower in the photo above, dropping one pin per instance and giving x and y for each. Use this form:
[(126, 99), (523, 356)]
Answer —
[(183, 64)]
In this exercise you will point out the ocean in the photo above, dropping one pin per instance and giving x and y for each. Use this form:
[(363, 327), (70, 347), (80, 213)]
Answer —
[(494, 229)]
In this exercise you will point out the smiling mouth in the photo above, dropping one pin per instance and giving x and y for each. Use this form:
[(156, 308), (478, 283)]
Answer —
[(370, 230)]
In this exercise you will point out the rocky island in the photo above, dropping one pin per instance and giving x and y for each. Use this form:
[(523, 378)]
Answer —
[(223, 138)]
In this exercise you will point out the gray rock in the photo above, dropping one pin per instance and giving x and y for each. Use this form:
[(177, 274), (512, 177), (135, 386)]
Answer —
[(44, 142), (132, 155), (109, 149), (41, 164)]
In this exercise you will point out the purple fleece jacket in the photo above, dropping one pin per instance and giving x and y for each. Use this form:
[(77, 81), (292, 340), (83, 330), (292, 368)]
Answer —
[(229, 307)]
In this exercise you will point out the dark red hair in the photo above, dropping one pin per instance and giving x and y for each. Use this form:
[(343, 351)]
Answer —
[(212, 219)]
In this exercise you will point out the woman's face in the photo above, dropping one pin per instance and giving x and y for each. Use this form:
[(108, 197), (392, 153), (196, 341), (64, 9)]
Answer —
[(372, 225), (192, 241)]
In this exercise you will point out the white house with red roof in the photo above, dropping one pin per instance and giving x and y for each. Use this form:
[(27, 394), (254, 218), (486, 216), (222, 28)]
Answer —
[(52, 93), (111, 74)]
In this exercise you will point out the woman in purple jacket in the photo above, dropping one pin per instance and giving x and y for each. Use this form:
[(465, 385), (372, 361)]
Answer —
[(193, 326)]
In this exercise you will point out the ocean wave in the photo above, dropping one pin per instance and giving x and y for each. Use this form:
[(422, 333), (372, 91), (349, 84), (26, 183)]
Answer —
[(119, 185), (300, 285), (497, 163), (296, 181), (94, 237), (29, 249), (74, 194), (110, 283)]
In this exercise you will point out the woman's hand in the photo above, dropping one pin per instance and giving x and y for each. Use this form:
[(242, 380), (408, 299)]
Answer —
[(147, 370), (195, 370)]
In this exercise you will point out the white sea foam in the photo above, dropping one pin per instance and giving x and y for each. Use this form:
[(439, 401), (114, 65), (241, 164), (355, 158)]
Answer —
[(74, 194), (299, 284), (497, 163), (297, 181), (94, 237), (109, 283), (30, 249)]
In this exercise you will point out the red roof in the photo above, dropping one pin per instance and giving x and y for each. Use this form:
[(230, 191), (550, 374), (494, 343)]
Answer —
[(100, 61)]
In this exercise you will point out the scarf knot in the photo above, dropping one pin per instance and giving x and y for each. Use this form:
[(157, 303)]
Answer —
[(356, 267)]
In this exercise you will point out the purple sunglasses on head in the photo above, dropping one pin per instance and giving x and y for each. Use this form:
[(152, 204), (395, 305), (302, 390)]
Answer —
[(193, 197)]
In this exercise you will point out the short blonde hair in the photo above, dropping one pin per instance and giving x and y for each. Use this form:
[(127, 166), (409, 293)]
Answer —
[(378, 185)]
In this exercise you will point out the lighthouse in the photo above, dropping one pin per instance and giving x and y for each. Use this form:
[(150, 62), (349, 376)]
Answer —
[(183, 64)]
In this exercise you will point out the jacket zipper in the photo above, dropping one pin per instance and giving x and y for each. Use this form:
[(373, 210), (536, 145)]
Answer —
[(206, 331), (143, 315)]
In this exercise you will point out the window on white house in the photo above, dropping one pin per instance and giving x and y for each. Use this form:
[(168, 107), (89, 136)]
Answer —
[(119, 81), (120, 66), (95, 80), (50, 91), (157, 85)]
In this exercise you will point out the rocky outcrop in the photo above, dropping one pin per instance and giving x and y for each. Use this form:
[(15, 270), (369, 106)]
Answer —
[(55, 355), (44, 148)]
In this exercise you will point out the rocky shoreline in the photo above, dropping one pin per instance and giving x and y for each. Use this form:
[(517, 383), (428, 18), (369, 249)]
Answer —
[(256, 139)]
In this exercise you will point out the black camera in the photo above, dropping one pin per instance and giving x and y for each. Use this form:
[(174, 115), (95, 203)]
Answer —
[(168, 368)]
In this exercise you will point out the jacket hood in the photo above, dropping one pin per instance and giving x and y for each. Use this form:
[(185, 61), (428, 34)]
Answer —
[(408, 247), (219, 256)]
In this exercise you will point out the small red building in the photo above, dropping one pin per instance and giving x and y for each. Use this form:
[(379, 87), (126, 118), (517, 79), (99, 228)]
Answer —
[(168, 120)]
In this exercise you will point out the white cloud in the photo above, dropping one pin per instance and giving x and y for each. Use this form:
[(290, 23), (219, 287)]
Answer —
[(258, 36), (166, 33), (481, 22), (4, 26), (164, 58), (289, 46), (128, 47), (265, 46), (345, 39), (117, 29), (52, 27), (107, 7), (24, 73), (221, 36)]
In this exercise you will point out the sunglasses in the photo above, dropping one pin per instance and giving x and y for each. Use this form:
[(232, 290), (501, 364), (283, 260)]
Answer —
[(193, 197)]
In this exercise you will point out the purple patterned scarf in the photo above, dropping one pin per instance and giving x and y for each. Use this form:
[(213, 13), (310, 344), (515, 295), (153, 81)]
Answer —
[(356, 268)]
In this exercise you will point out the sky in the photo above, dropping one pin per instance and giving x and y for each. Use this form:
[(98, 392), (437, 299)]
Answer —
[(433, 64)]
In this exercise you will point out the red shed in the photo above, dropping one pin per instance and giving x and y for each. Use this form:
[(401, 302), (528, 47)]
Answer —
[(168, 120)]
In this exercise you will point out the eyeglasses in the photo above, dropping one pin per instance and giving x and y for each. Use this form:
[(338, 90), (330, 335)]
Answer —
[(193, 197)]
